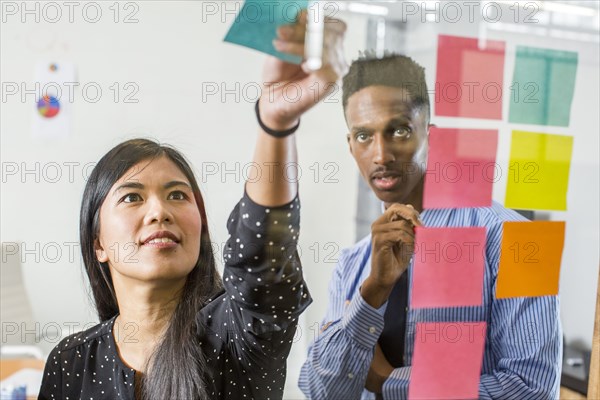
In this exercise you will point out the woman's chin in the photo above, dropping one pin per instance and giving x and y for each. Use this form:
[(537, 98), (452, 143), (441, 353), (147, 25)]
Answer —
[(154, 272)]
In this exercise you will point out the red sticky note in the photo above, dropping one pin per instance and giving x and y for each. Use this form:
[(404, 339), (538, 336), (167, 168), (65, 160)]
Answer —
[(447, 360), (461, 168), (530, 257), (448, 267), (470, 77)]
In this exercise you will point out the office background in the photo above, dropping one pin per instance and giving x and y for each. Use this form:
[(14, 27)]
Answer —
[(197, 93)]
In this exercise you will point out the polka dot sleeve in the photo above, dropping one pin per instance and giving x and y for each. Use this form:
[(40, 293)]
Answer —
[(52, 379), (263, 274), (248, 329)]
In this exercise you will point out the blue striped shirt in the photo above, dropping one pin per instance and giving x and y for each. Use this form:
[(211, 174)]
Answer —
[(523, 348)]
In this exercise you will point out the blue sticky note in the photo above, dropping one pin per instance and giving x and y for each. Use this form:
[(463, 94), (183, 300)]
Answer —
[(543, 86), (256, 24)]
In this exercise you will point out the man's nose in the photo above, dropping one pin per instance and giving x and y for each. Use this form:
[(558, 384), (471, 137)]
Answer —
[(382, 151)]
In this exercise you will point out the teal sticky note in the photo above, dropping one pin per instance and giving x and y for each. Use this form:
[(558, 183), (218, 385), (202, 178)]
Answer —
[(543, 86), (256, 24)]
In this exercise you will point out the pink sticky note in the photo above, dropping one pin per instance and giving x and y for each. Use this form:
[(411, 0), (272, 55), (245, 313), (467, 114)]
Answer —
[(470, 77), (461, 168), (448, 267), (447, 360)]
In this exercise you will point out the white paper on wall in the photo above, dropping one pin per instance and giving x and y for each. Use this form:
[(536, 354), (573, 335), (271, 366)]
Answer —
[(55, 86)]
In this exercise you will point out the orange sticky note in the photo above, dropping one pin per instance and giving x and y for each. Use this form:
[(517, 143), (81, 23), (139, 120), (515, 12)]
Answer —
[(447, 360), (530, 257)]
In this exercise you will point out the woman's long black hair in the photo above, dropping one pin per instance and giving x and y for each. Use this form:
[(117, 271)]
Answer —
[(177, 368)]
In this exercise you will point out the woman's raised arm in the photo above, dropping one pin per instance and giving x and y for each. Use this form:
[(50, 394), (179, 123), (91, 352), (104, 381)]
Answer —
[(288, 92)]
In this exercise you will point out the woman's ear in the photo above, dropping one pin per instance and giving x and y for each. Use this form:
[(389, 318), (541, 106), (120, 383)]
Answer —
[(101, 254)]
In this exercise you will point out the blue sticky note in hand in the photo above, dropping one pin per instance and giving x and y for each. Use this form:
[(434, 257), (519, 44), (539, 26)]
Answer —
[(256, 25)]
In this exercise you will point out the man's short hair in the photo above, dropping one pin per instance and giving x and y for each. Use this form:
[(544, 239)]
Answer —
[(392, 70)]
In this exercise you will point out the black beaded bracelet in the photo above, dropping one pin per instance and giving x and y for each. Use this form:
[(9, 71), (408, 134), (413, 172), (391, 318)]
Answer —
[(277, 134)]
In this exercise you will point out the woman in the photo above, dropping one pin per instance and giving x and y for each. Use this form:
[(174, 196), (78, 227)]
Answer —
[(171, 328)]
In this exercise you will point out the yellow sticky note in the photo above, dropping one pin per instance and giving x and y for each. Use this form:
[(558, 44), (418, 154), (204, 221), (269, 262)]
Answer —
[(530, 257), (538, 173)]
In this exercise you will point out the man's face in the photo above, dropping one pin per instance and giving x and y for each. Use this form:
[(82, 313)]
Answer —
[(388, 140)]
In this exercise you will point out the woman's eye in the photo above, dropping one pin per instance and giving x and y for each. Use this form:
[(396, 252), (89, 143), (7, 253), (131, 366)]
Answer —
[(177, 195), (130, 198)]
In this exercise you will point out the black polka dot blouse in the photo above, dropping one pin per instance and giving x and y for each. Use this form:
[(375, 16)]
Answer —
[(249, 327)]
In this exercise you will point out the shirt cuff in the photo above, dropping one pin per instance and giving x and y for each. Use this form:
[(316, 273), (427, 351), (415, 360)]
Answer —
[(396, 385), (257, 217), (362, 322), (255, 205)]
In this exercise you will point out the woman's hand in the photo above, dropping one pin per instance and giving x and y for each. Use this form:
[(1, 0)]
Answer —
[(289, 89)]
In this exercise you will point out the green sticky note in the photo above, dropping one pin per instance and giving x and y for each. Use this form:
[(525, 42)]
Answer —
[(543, 86), (256, 24), (538, 174)]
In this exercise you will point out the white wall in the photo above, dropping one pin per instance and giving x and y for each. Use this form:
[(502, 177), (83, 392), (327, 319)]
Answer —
[(169, 54)]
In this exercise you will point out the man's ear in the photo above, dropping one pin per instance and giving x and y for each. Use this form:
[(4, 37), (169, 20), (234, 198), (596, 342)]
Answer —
[(349, 143), (101, 254), (429, 126)]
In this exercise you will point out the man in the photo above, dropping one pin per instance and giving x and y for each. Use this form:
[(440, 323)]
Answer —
[(366, 345)]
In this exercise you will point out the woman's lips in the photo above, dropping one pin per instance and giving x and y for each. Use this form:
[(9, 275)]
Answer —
[(162, 243)]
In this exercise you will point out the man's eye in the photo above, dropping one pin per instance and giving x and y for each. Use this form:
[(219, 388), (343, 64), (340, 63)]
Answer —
[(177, 195), (403, 132), (361, 137), (131, 197)]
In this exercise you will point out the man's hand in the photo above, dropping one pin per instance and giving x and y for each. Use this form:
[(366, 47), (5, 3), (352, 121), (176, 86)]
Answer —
[(379, 371), (290, 90), (393, 239)]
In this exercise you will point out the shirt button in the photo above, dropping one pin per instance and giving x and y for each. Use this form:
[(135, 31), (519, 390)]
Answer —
[(351, 375), (372, 329)]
